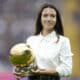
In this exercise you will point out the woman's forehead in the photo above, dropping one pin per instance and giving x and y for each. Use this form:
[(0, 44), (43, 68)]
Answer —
[(49, 10)]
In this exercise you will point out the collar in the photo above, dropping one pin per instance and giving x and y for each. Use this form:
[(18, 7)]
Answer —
[(50, 37)]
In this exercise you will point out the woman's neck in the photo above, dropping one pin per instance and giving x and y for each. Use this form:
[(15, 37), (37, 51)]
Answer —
[(45, 32)]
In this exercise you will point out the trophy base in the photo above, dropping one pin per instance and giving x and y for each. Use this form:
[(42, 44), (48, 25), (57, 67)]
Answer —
[(24, 71)]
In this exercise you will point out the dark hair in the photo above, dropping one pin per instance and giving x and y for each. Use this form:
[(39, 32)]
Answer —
[(58, 27)]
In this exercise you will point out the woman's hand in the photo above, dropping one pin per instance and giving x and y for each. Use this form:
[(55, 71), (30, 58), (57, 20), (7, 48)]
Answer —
[(16, 74), (43, 71), (19, 74)]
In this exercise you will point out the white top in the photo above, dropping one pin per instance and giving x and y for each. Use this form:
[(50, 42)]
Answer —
[(52, 55)]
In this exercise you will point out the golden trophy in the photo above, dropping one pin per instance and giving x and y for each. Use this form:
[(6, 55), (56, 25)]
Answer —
[(22, 57)]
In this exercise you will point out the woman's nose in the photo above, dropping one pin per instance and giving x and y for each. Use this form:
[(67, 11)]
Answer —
[(48, 18)]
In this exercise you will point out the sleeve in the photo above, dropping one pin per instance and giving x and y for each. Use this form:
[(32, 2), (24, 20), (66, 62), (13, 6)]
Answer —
[(65, 67)]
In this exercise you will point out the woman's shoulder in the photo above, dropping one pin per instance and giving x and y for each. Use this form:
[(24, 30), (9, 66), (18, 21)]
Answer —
[(64, 38), (31, 38)]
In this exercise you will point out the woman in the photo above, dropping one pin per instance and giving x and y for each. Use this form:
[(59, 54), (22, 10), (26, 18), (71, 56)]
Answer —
[(52, 49)]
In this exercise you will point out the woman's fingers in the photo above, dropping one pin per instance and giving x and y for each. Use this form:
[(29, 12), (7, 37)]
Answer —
[(35, 71)]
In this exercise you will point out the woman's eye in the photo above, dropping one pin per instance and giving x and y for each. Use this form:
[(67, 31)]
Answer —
[(45, 15), (52, 15), (49, 15)]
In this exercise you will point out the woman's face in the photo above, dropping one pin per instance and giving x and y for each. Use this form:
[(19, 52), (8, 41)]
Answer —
[(48, 18)]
